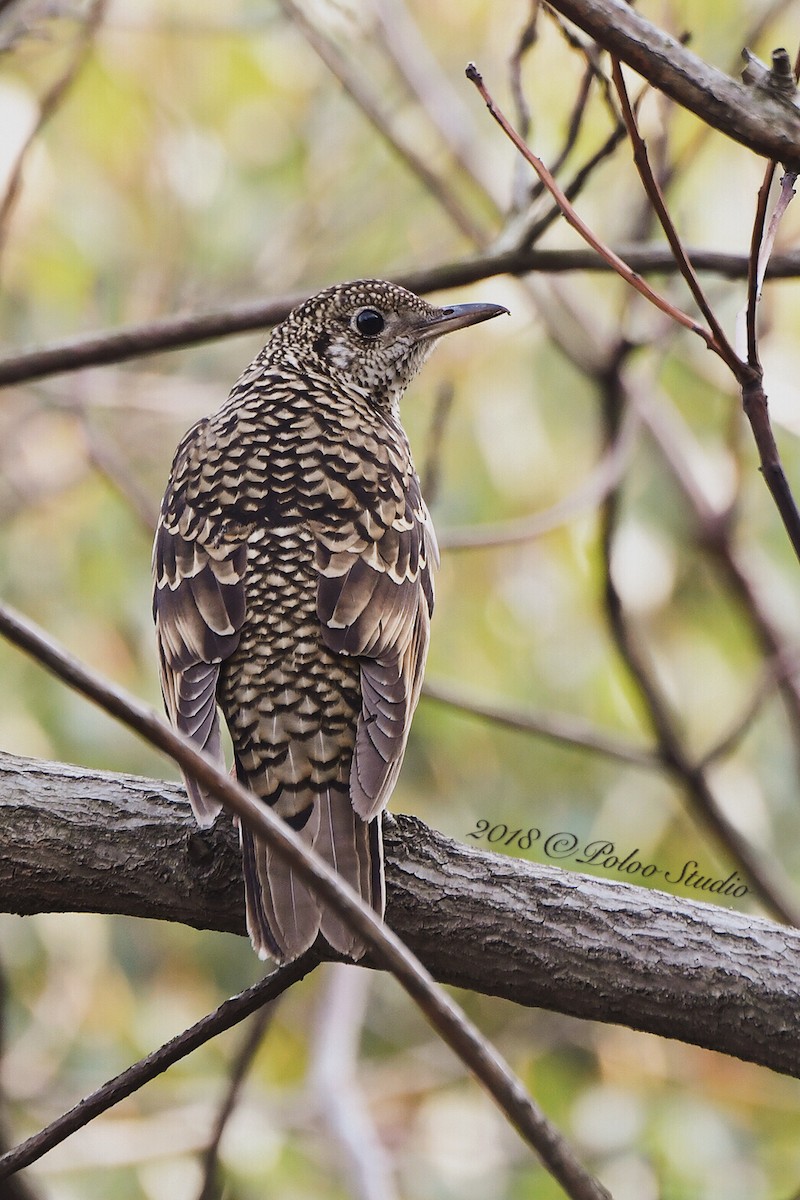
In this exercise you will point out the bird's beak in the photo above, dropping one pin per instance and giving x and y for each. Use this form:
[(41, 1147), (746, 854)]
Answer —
[(457, 316)]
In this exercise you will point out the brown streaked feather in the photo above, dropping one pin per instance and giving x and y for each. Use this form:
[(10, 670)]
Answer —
[(199, 610), (283, 914), (375, 603)]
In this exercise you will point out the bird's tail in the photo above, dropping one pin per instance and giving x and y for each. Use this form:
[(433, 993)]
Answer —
[(283, 914)]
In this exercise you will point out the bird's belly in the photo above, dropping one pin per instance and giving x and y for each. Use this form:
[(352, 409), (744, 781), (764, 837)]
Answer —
[(291, 704)]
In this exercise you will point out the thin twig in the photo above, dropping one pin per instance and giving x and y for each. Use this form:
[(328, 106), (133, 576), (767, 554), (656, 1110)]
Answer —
[(254, 1035), (570, 215), (566, 730), (528, 36), (49, 104), (450, 1022), (607, 474), (655, 195), (744, 722), (230, 1013), (370, 106)]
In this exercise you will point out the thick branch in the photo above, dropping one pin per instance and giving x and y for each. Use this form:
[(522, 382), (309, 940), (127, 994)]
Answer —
[(72, 839), (755, 118)]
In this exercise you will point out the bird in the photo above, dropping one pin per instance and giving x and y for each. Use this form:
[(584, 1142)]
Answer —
[(292, 563)]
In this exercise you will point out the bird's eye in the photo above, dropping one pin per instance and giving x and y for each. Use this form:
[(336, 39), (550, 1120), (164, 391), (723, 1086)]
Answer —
[(369, 322)]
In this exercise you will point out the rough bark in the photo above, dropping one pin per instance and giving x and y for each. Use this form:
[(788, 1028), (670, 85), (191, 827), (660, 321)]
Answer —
[(766, 124), (78, 840)]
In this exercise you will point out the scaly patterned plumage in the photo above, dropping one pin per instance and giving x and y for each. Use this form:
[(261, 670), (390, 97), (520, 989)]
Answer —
[(292, 566)]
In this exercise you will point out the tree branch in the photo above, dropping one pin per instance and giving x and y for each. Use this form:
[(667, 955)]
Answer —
[(439, 1009), (768, 126), (189, 329), (593, 948)]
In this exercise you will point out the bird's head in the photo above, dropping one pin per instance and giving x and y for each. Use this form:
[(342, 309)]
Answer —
[(371, 334)]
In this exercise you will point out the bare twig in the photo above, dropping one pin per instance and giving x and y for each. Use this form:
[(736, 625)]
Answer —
[(48, 106), (570, 215), (370, 106), (654, 193), (242, 1063), (528, 228), (567, 730), (437, 96), (230, 1013), (754, 401), (444, 1015), (527, 39), (605, 476)]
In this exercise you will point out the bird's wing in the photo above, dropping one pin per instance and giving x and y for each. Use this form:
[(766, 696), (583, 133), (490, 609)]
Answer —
[(374, 600), (199, 609)]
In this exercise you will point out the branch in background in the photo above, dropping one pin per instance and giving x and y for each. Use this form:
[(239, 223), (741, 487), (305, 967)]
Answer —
[(17, 1188), (543, 937), (527, 39), (768, 126), (225, 1017), (714, 534), (691, 777), (106, 459), (431, 472), (178, 332), (746, 719), (333, 1088), (602, 478), (370, 106), (565, 730), (435, 93), (254, 1035), (444, 1015), (49, 104)]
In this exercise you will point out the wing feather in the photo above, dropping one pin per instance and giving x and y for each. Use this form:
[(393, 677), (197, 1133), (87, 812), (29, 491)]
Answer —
[(374, 600), (199, 610)]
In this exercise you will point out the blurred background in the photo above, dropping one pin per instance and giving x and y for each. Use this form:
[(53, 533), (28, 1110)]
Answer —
[(195, 155)]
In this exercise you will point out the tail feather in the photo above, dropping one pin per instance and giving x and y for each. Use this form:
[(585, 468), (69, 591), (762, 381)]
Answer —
[(354, 848), (283, 914)]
